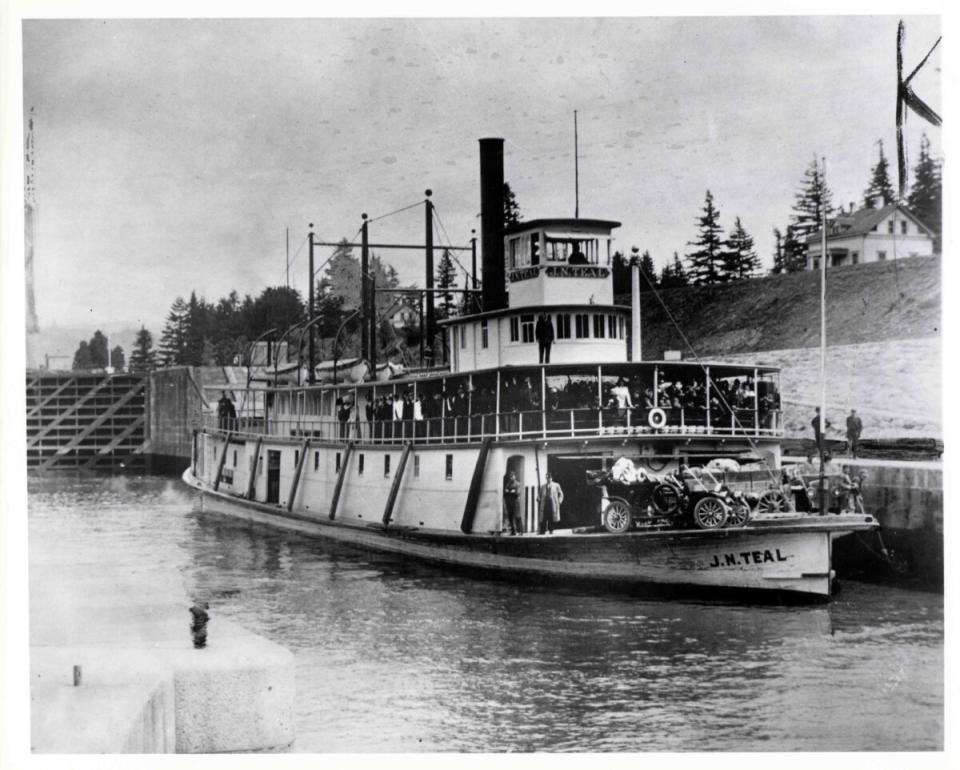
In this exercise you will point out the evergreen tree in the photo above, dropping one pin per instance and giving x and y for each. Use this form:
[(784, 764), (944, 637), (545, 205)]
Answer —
[(673, 275), (706, 261), (82, 359), (117, 359), (446, 278), (143, 358), (511, 210), (926, 194), (620, 270), (739, 259), (778, 261), (809, 203), (173, 338), (649, 270), (98, 350), (195, 331), (879, 188), (794, 252)]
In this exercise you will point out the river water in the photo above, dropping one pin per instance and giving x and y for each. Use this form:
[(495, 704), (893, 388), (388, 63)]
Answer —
[(399, 657)]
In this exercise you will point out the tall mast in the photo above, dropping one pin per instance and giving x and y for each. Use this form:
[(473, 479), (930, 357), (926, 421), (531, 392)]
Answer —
[(30, 222), (576, 169), (823, 329)]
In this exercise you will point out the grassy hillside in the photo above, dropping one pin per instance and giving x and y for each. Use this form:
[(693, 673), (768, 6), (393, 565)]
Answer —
[(865, 303)]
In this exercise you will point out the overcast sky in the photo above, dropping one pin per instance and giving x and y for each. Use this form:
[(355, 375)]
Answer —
[(173, 155)]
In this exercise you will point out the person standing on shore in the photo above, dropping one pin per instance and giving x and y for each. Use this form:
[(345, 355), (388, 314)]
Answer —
[(854, 429), (551, 498)]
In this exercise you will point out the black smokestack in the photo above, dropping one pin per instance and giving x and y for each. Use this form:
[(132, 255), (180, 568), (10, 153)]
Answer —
[(491, 223)]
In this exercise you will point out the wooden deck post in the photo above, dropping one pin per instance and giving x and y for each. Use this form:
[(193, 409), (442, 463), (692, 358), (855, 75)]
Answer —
[(223, 459), (296, 476), (252, 481), (395, 486), (340, 477), (473, 494)]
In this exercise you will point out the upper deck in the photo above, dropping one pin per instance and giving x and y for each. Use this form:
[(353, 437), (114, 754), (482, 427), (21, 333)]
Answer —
[(669, 400)]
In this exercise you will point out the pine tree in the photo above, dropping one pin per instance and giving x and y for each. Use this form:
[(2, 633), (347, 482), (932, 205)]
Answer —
[(117, 359), (143, 358), (511, 210), (879, 188), (620, 270), (706, 262), (98, 350), (649, 270), (794, 252), (446, 279), (195, 331), (739, 259), (926, 194), (173, 341), (673, 275), (82, 359), (810, 202)]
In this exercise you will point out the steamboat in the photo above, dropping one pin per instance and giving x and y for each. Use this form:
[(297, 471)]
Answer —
[(669, 471)]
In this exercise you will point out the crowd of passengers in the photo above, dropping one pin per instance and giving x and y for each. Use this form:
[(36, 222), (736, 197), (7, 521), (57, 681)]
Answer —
[(459, 411)]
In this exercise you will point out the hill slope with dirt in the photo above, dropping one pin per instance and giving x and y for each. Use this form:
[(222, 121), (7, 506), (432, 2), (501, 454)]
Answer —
[(874, 302)]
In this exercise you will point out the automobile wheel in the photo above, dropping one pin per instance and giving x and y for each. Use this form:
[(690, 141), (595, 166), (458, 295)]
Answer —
[(665, 499), (709, 512), (617, 517), (739, 513), (772, 501)]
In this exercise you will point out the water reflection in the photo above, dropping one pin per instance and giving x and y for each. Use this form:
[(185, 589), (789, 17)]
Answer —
[(397, 656)]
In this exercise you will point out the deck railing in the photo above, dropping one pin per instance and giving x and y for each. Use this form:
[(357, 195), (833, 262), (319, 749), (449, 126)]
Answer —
[(526, 425)]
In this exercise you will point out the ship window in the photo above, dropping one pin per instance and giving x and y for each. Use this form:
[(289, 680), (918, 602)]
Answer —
[(514, 329), (582, 321), (316, 461), (563, 326), (449, 469), (514, 252), (386, 465), (903, 228), (338, 462), (612, 326), (484, 334), (360, 465), (890, 226), (881, 256), (598, 326), (854, 257), (526, 328), (416, 466), (622, 327), (234, 458), (535, 249)]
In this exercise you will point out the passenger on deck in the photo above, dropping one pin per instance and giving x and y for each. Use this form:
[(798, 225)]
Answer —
[(511, 503), (544, 337), (621, 393), (577, 258), (551, 498), (226, 413)]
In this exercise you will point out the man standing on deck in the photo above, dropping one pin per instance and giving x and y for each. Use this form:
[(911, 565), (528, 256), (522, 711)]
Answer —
[(551, 497), (511, 502), (226, 413), (854, 429), (544, 335), (817, 435)]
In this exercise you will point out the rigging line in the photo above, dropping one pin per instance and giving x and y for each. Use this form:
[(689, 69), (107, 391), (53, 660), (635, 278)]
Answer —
[(699, 361), (405, 208), (453, 256)]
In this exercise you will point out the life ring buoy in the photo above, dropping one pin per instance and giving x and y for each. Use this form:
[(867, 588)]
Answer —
[(657, 418)]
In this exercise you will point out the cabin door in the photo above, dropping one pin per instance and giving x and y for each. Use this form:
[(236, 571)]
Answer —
[(581, 502), (273, 476)]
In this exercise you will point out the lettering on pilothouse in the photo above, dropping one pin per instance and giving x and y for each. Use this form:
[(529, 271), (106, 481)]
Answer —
[(746, 558)]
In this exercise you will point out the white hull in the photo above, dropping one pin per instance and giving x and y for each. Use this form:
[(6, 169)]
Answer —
[(785, 555)]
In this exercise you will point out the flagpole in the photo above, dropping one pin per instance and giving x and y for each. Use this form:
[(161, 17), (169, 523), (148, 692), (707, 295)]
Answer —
[(576, 168), (823, 331)]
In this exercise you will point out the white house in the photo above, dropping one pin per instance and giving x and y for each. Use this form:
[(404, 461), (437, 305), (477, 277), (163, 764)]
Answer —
[(871, 235)]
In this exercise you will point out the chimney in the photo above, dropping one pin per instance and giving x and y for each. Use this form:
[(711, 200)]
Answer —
[(494, 294)]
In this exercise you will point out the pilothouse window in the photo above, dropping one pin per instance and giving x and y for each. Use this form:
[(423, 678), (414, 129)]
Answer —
[(584, 251)]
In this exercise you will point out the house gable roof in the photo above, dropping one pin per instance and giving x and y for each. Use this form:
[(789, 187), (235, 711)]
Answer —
[(862, 222)]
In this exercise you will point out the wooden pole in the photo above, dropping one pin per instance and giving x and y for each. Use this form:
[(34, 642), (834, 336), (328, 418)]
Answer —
[(312, 355), (364, 287), (823, 335), (431, 312)]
